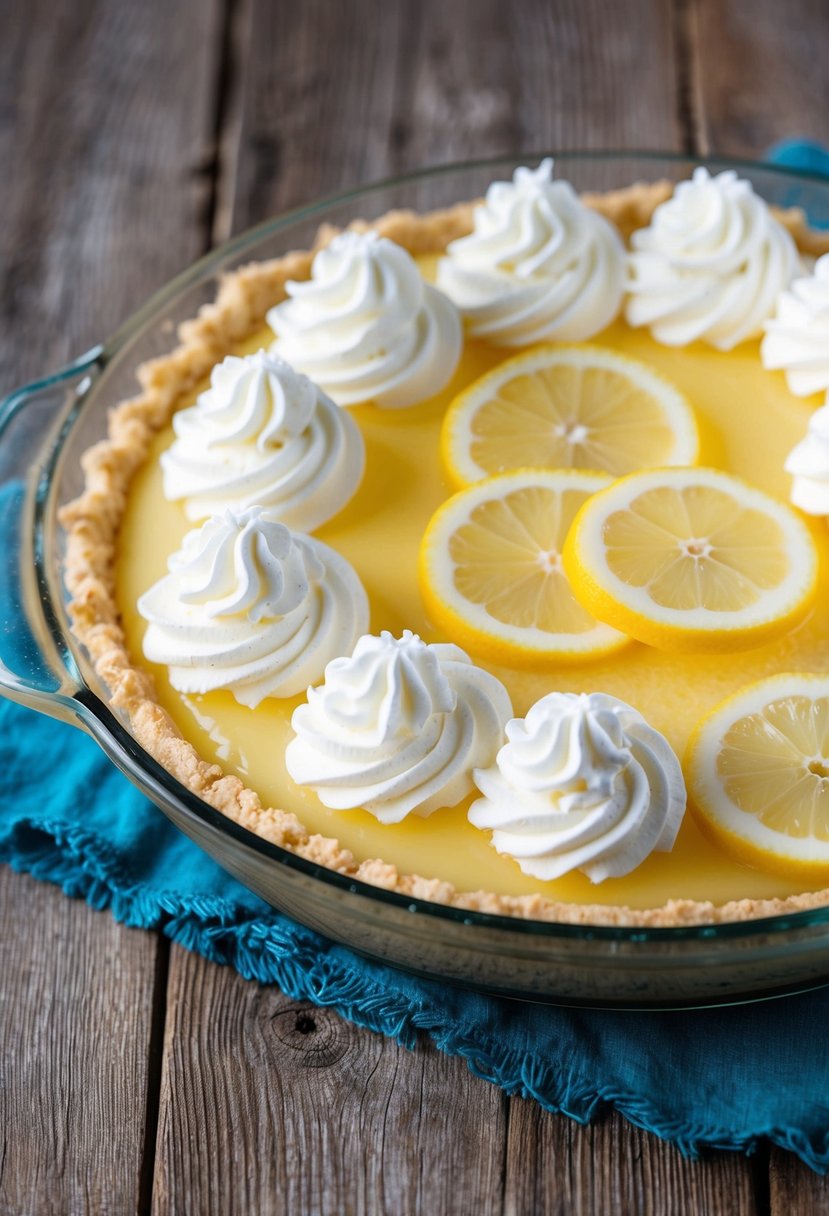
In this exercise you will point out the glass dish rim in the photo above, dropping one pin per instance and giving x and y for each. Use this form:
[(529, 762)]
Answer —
[(107, 729)]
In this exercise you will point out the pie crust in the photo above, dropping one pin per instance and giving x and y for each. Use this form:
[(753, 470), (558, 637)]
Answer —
[(92, 523)]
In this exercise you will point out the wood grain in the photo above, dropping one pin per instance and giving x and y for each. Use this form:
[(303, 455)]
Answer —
[(794, 1189), (106, 118), (758, 73), (485, 77), (326, 96), (106, 129), (557, 1167), (270, 1106), (76, 1007)]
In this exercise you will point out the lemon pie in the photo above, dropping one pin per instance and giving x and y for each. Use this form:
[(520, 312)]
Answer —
[(442, 554)]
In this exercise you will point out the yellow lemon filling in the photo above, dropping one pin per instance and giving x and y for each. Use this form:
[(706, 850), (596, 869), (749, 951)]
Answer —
[(747, 420)]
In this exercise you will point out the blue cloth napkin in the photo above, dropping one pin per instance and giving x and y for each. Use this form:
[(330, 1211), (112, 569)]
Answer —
[(721, 1078), (801, 154), (807, 157)]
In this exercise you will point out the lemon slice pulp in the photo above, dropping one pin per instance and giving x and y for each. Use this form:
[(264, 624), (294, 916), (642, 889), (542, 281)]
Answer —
[(691, 560), (563, 407), (491, 575), (758, 772)]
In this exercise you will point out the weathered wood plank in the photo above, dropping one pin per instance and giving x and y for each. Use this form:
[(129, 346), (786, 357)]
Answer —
[(106, 116), (76, 1011), (758, 72), (311, 94), (794, 1189), (556, 1167), (327, 96), (270, 1106), (106, 126), (482, 77)]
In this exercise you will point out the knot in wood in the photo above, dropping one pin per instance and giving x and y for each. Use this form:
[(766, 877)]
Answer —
[(318, 1036)]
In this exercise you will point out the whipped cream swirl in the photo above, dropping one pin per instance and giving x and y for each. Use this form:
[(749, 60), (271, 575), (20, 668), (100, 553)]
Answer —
[(583, 783), (397, 728), (797, 337), (711, 265), (538, 265), (263, 435), (250, 606), (808, 464), (366, 327)]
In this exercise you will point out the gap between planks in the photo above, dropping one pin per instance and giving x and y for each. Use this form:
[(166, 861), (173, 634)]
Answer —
[(155, 1064)]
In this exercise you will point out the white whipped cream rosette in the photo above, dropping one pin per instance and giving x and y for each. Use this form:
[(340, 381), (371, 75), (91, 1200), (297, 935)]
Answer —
[(583, 783), (538, 266), (366, 327), (252, 607), (797, 336), (397, 728), (711, 264), (808, 463), (265, 435)]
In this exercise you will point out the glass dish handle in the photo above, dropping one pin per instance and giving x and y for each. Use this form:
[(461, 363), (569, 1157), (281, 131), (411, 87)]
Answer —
[(33, 669)]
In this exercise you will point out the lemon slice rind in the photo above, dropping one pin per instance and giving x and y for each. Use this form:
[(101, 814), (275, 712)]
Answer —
[(457, 435), (742, 832), (469, 624), (631, 609)]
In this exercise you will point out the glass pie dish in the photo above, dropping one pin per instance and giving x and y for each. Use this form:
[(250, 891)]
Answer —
[(44, 430)]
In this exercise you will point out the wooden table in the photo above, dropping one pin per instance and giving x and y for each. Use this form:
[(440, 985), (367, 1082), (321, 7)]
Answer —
[(135, 134)]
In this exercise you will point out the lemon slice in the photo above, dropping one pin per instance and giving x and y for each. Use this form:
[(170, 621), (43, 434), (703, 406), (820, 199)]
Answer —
[(758, 774), (490, 570), (691, 560), (567, 407)]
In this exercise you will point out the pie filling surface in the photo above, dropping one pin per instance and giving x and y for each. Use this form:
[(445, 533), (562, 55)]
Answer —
[(126, 526), (748, 420)]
